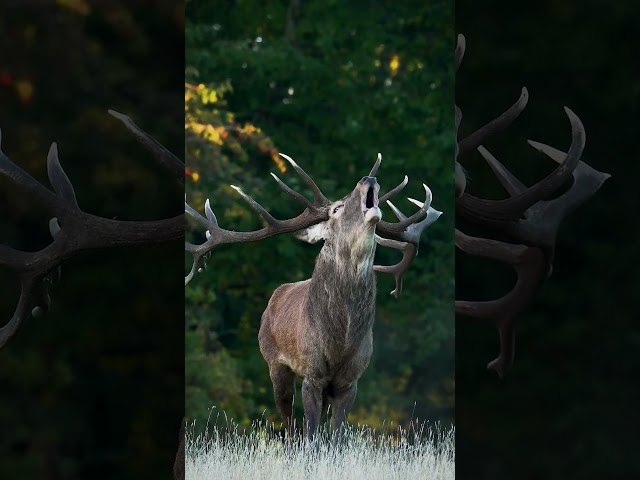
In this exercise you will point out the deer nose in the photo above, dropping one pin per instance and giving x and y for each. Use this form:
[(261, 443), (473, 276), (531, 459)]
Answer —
[(371, 181)]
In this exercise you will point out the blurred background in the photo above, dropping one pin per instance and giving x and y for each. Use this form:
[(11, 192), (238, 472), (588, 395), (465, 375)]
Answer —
[(331, 84), (95, 388), (568, 408)]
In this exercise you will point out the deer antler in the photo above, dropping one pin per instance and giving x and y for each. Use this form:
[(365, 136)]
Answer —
[(171, 163), (409, 236), (73, 230), (314, 212), (407, 229), (527, 218)]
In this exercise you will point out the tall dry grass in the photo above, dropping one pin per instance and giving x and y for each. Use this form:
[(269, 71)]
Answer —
[(259, 453)]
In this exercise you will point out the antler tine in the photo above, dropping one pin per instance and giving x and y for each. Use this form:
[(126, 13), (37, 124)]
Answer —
[(511, 184), (73, 231), (531, 266), (199, 218), (460, 178), (169, 161), (256, 206), (314, 212), (374, 170), (318, 196), (458, 120), (461, 46), (58, 178), (399, 215), (200, 254), (458, 117), (292, 192), (496, 125)]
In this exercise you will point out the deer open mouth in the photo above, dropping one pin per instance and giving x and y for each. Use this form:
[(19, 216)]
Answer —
[(371, 200), (370, 209)]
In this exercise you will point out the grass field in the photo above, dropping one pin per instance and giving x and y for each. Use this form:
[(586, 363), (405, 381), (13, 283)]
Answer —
[(228, 453)]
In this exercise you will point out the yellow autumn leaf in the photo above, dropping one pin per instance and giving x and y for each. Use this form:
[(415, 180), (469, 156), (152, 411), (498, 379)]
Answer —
[(25, 90), (394, 65), (213, 97), (81, 7), (213, 134), (282, 166)]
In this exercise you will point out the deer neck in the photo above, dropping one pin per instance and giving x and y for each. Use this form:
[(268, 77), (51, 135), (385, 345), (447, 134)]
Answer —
[(342, 294)]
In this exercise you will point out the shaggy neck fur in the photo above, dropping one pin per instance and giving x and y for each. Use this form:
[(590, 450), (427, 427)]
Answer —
[(342, 293)]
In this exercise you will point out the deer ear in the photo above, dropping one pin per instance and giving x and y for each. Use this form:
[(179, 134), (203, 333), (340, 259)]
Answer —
[(314, 233)]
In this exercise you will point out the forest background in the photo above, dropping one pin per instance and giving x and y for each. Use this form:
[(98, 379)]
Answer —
[(330, 84)]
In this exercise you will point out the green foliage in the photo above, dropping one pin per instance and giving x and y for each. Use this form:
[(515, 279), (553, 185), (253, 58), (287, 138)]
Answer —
[(331, 87)]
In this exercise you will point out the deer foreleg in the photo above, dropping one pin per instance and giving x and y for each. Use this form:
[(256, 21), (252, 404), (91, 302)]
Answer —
[(312, 404), (284, 382), (342, 401)]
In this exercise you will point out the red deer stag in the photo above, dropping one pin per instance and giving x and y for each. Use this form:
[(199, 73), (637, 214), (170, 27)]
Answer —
[(529, 219), (75, 231), (320, 329)]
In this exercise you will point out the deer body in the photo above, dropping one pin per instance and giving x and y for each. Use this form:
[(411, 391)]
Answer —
[(320, 329)]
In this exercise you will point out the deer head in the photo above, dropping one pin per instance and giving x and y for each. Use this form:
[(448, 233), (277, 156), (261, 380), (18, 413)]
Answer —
[(348, 234)]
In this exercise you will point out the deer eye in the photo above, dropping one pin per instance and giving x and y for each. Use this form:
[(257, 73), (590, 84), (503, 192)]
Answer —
[(335, 210)]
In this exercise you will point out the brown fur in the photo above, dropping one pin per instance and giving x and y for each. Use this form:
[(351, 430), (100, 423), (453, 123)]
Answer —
[(320, 329)]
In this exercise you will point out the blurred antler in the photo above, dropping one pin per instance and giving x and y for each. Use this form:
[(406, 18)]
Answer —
[(527, 218), (73, 230)]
